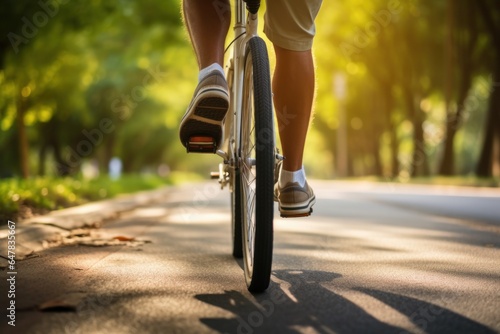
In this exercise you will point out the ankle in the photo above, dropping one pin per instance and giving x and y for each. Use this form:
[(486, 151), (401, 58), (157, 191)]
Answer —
[(298, 176), (206, 70)]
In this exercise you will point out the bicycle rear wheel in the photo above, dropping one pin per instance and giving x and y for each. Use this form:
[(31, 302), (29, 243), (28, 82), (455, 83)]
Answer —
[(257, 167)]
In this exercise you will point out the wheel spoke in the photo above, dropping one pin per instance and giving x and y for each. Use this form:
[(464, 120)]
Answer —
[(251, 224)]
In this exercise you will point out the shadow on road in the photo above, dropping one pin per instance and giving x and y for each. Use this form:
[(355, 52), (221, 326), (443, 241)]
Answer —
[(429, 317), (296, 302)]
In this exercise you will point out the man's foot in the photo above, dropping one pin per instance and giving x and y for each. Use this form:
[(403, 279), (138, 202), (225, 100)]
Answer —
[(201, 126), (294, 200)]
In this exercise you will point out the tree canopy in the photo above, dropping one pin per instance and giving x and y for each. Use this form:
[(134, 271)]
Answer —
[(83, 82)]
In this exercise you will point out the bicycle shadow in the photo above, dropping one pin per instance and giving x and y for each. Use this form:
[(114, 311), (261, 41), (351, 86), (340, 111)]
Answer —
[(429, 317), (302, 304), (299, 302)]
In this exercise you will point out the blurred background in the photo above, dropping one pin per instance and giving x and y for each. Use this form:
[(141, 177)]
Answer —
[(406, 90)]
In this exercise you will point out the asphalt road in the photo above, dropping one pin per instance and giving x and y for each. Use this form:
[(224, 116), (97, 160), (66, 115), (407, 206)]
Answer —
[(371, 259)]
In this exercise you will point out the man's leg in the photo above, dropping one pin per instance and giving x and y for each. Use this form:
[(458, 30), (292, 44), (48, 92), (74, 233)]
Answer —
[(207, 22), (289, 24), (293, 87)]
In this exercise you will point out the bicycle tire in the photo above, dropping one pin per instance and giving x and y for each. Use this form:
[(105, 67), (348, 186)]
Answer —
[(237, 239), (257, 167)]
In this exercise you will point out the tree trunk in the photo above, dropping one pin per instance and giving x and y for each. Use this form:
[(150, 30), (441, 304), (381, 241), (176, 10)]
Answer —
[(62, 167), (454, 120), (377, 164), (461, 44), (392, 127), (486, 159), (328, 134), (419, 164), (23, 139), (378, 125), (394, 150), (485, 164), (447, 162), (447, 166), (42, 157)]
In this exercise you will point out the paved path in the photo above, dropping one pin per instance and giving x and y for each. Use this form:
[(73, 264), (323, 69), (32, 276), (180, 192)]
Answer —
[(371, 259)]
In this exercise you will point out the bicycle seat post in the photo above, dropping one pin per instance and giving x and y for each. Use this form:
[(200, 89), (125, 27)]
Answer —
[(240, 18)]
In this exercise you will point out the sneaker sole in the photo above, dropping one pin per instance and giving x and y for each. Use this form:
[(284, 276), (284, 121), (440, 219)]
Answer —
[(303, 209), (205, 116)]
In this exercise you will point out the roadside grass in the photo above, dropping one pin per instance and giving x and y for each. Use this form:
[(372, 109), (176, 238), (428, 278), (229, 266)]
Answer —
[(22, 198)]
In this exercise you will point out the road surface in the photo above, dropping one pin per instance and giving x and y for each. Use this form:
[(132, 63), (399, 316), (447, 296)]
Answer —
[(371, 259)]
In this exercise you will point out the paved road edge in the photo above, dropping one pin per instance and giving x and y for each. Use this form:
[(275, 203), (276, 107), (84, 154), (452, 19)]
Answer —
[(31, 233)]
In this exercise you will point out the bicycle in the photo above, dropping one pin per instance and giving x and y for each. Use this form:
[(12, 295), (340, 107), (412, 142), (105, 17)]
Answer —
[(248, 150)]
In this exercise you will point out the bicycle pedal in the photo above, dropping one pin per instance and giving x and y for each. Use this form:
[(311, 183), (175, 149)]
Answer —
[(201, 144), (299, 215)]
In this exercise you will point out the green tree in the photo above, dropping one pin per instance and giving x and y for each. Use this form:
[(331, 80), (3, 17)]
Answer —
[(461, 63), (490, 12), (67, 67)]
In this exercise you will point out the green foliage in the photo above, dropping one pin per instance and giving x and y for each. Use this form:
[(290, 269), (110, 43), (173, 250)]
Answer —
[(50, 193), (392, 54), (86, 63), (130, 63)]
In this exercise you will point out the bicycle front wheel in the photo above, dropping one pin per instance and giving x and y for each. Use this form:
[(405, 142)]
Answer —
[(237, 239), (257, 167)]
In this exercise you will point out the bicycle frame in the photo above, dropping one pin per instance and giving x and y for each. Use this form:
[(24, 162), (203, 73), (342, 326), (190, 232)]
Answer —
[(245, 27)]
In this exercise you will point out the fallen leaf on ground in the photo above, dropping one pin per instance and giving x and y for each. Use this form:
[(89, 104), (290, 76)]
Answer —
[(123, 238), (80, 232), (65, 303), (93, 238)]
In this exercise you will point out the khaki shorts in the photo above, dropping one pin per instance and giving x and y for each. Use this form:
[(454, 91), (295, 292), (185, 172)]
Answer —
[(290, 23)]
